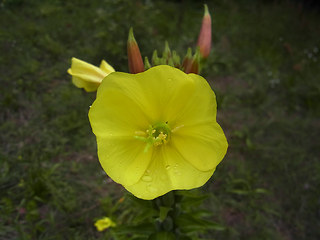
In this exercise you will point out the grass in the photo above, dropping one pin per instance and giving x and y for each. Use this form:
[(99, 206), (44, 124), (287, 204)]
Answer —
[(263, 68)]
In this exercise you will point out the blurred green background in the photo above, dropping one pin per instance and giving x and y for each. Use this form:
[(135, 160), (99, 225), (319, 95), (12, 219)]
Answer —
[(264, 68)]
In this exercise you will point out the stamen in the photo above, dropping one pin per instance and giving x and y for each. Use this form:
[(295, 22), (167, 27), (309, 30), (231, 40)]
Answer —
[(177, 128), (155, 135), (140, 133)]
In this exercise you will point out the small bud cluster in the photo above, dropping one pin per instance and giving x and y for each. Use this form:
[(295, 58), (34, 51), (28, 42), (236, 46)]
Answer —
[(168, 58), (191, 62)]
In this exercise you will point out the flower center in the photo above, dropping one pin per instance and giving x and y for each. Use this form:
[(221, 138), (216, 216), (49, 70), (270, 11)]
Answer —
[(157, 134)]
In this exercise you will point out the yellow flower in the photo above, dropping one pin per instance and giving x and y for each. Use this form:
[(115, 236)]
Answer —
[(87, 76), (104, 223), (157, 131)]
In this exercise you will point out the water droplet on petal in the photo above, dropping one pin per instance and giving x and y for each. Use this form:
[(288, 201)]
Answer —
[(151, 189), (168, 167), (146, 178)]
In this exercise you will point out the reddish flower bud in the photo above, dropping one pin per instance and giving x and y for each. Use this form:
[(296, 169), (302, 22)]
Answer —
[(187, 60), (204, 39), (194, 65), (134, 56)]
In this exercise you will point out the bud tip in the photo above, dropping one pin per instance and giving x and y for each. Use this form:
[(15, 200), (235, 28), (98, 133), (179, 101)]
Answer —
[(206, 10), (131, 36)]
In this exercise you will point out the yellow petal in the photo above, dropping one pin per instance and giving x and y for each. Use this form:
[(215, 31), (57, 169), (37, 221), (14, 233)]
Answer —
[(167, 171), (123, 159), (114, 114), (166, 91), (153, 90), (104, 223), (87, 85), (86, 71), (104, 66), (115, 120), (200, 106), (203, 145), (88, 76), (197, 135)]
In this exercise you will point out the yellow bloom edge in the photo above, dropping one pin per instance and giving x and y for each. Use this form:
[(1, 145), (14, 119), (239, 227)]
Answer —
[(157, 131)]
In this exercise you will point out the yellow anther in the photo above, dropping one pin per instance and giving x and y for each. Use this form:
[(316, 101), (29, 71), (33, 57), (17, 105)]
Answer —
[(154, 136), (160, 139), (162, 136)]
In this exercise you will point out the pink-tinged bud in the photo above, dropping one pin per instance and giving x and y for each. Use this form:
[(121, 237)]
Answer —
[(134, 56), (204, 39)]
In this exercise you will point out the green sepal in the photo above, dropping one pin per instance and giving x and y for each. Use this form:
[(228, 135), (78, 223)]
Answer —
[(176, 59), (166, 52), (147, 64), (155, 59), (163, 61), (196, 60), (170, 62), (189, 53)]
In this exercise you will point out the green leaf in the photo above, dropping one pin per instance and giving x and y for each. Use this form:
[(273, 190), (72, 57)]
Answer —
[(164, 212), (143, 229), (239, 192), (185, 238), (168, 199), (162, 236), (201, 213), (261, 190), (167, 224), (188, 223), (193, 201)]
